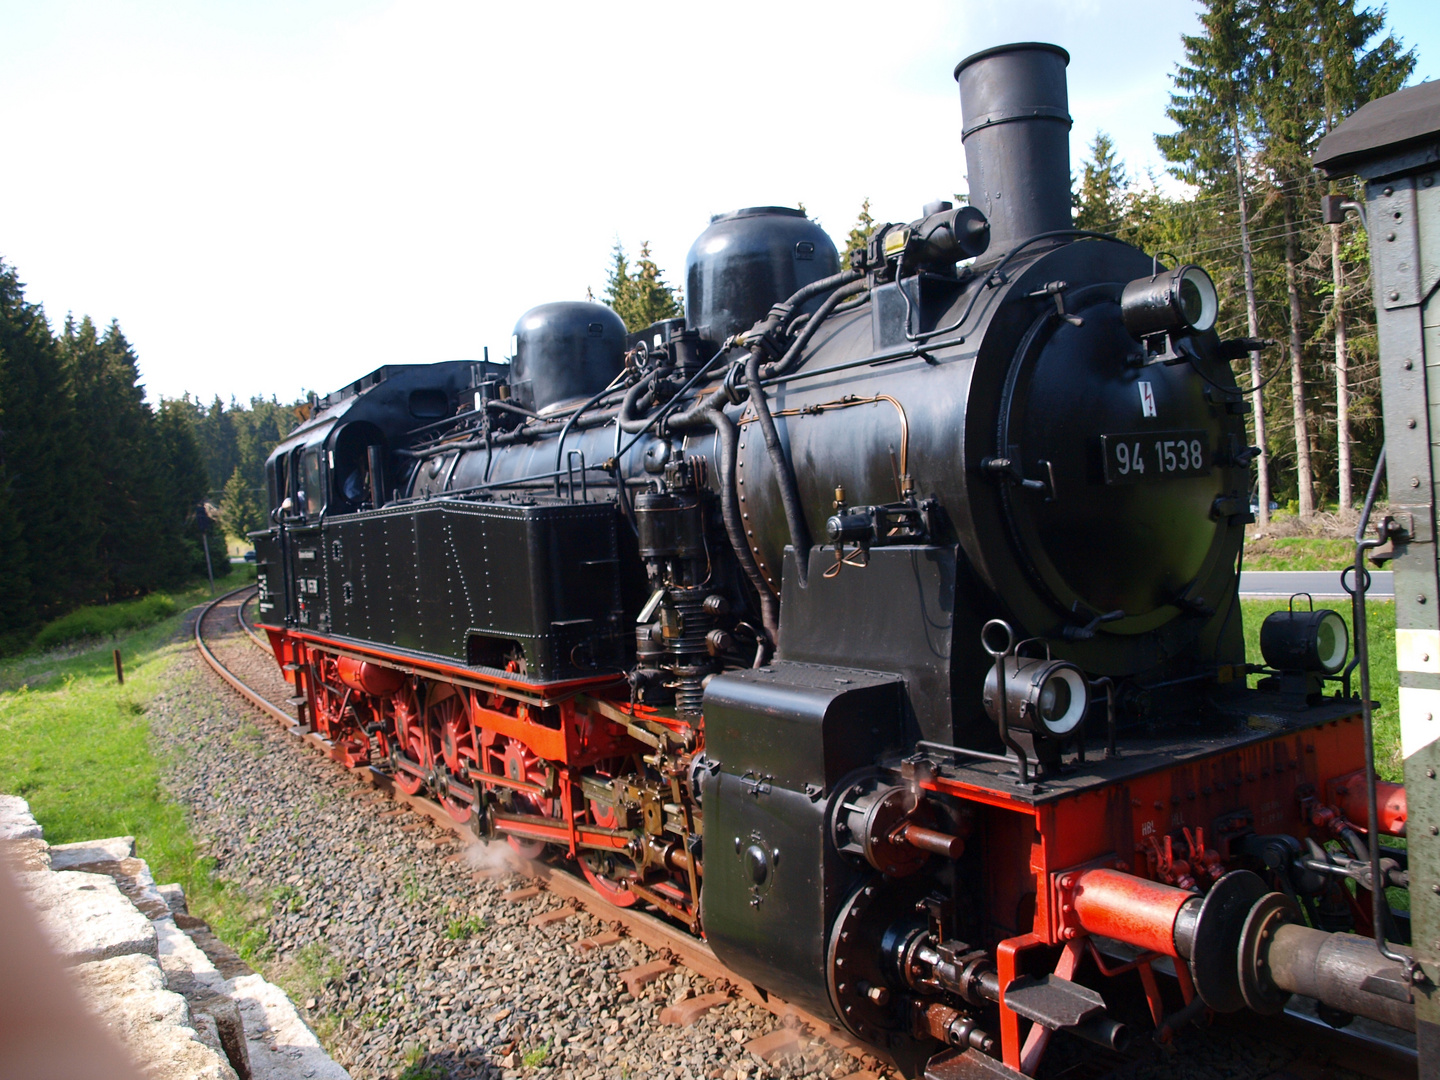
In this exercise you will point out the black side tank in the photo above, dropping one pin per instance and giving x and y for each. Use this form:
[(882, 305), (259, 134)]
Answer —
[(746, 261), (565, 352)]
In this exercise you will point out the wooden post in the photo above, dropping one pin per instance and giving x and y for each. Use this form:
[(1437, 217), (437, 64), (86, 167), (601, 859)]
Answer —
[(119, 669)]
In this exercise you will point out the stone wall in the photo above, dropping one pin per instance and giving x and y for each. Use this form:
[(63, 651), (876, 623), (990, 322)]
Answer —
[(182, 1003)]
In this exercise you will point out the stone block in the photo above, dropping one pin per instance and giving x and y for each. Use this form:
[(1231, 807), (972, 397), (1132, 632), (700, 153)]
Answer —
[(220, 1012), (187, 969), (279, 1044), (128, 995), (174, 897), (30, 854), (69, 856), (85, 917), (16, 821)]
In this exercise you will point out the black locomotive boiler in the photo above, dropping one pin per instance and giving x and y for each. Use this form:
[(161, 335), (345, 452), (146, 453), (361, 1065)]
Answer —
[(878, 620)]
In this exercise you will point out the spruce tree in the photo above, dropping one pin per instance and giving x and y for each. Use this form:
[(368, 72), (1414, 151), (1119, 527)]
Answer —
[(1351, 74), (1212, 106), (864, 229), (184, 485), (135, 542), (643, 297), (17, 612), (1100, 200), (240, 509), (46, 533)]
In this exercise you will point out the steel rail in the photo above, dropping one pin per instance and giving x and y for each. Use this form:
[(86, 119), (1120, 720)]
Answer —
[(245, 625), (264, 705), (659, 935)]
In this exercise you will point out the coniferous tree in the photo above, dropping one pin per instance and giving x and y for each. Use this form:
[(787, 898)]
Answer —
[(1100, 201), (1212, 106), (859, 235), (19, 342), (184, 487), (240, 510), (643, 297), (1351, 74), (135, 541), (39, 455)]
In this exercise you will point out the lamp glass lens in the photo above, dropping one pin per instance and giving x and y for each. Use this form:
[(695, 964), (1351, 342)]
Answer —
[(1199, 303), (1062, 699), (1332, 642), (1192, 304), (1054, 700)]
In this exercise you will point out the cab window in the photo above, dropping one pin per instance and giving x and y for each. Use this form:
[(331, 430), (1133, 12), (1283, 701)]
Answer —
[(311, 482)]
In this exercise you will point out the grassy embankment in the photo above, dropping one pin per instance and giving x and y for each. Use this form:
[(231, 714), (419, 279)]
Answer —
[(1298, 553), (76, 745)]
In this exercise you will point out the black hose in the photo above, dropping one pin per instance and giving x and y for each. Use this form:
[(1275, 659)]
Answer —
[(787, 363), (782, 312), (784, 474), (699, 411), (638, 399), (728, 436)]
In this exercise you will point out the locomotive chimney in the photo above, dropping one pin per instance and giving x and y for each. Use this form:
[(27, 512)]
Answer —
[(1016, 132)]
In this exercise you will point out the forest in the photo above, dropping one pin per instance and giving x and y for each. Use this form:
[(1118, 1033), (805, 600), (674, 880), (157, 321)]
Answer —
[(1252, 98), (105, 495)]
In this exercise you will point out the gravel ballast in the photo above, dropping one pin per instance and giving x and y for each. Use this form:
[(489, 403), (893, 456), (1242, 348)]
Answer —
[(395, 937), (397, 941)]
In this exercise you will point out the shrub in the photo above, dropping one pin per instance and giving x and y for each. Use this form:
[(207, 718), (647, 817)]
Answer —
[(105, 620)]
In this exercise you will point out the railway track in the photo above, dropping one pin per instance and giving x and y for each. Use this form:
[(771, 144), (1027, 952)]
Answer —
[(656, 934), (1364, 1050)]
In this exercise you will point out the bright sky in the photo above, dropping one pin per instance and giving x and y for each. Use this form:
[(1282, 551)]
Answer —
[(272, 195)]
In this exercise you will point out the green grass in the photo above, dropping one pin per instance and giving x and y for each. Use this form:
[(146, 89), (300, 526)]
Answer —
[(416, 1067), (1299, 553), (76, 746), (533, 1059), (105, 620), (462, 929), (1384, 679)]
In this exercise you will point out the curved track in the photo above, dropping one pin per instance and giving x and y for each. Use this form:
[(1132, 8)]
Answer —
[(1362, 1052), (692, 953)]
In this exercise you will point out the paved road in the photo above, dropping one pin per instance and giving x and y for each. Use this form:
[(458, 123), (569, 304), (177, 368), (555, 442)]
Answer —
[(1270, 583)]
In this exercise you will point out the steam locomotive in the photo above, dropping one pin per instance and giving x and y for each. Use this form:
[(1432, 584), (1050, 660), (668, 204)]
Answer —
[(878, 620)]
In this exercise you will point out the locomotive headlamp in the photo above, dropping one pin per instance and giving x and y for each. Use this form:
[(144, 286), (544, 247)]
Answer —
[(1047, 697), (1316, 641), (1182, 300)]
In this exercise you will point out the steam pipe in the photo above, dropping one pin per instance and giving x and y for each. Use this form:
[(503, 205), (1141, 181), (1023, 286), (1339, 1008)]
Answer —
[(784, 473)]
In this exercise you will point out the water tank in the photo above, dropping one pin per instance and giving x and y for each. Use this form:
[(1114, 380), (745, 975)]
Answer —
[(746, 261), (565, 352)]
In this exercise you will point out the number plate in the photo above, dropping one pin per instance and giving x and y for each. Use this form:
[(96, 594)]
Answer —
[(1136, 457)]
